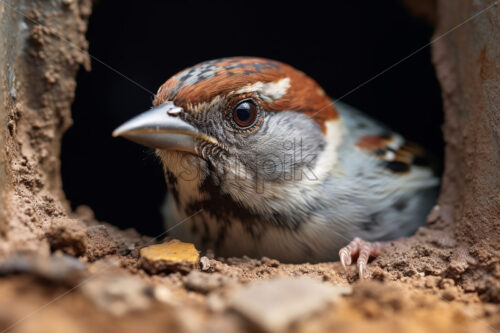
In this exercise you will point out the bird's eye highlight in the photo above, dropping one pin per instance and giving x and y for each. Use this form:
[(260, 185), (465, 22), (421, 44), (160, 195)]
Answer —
[(245, 114)]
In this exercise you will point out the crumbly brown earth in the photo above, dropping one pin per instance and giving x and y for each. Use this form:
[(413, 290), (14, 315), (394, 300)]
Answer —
[(418, 285), (62, 271)]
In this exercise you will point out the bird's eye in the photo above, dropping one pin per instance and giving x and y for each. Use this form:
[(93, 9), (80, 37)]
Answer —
[(245, 114)]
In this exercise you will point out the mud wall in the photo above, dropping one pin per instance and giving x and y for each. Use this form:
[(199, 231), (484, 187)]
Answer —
[(466, 55), (42, 46)]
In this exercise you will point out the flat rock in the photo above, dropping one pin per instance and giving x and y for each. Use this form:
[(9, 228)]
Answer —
[(273, 305), (169, 256), (60, 268), (205, 282), (118, 293)]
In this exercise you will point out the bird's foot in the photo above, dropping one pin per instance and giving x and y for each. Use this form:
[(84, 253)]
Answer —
[(363, 250)]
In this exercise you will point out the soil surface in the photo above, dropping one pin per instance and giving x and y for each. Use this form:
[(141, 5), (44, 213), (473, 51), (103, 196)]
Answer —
[(417, 285)]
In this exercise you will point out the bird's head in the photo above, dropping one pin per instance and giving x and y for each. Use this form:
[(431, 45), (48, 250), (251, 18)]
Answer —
[(239, 119)]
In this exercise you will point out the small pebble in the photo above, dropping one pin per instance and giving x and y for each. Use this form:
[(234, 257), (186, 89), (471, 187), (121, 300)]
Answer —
[(448, 296), (204, 263), (205, 282)]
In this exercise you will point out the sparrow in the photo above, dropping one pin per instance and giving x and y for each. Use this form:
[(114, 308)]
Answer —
[(259, 161)]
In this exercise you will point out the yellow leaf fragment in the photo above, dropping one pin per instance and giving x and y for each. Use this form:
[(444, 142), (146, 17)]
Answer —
[(172, 255)]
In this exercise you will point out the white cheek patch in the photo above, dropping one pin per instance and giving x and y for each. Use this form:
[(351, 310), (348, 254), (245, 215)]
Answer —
[(269, 91)]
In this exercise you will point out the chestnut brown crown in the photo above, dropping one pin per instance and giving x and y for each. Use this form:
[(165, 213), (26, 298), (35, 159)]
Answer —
[(234, 77)]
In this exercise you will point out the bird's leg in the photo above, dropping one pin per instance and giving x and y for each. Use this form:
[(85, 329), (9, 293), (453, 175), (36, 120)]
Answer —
[(363, 250)]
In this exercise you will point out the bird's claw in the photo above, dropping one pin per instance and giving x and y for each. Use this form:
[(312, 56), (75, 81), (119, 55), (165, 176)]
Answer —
[(345, 258), (361, 270), (363, 250)]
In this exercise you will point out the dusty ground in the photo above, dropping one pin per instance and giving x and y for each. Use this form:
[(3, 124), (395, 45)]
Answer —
[(412, 289), (76, 275)]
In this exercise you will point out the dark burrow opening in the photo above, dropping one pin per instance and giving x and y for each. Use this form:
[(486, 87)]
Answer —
[(342, 45)]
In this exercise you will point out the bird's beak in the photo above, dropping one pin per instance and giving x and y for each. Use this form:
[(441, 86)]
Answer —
[(161, 127)]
